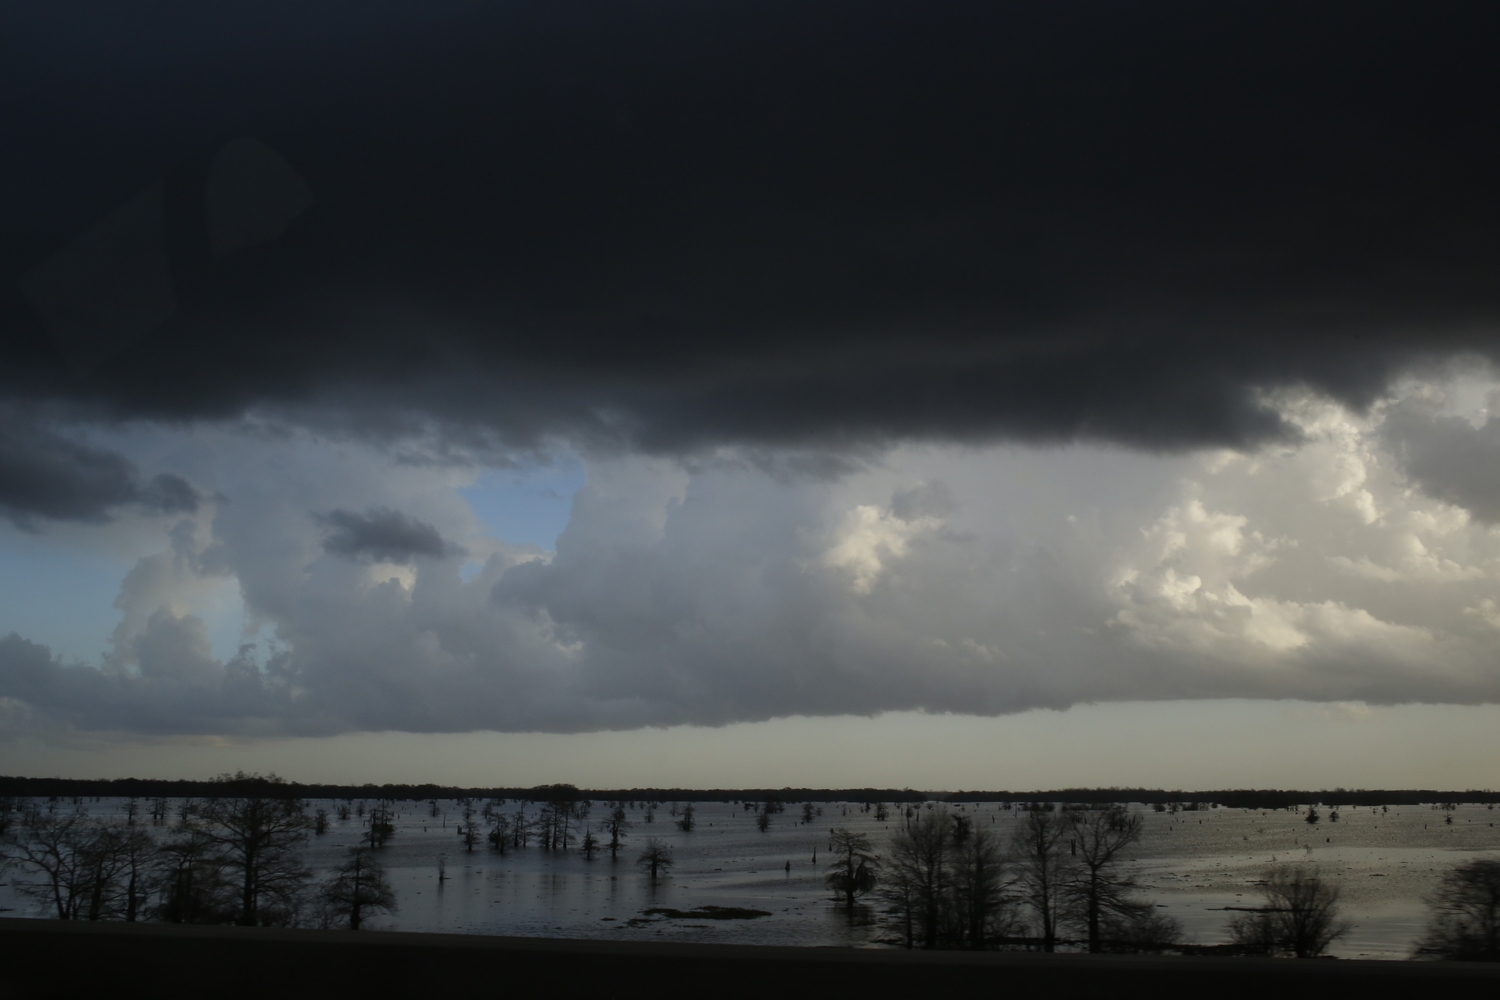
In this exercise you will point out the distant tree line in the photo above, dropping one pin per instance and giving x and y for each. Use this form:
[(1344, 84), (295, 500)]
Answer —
[(15, 787)]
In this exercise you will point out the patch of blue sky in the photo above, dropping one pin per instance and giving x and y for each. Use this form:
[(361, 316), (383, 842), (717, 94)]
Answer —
[(529, 504), (58, 595)]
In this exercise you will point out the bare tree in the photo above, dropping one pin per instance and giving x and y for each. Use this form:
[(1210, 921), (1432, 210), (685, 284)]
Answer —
[(687, 822), (917, 875), (852, 874), (1096, 890), (358, 887), (499, 835), (1300, 916), (85, 870), (49, 851), (192, 889), (615, 826), (1041, 869), (657, 857), (580, 815), (469, 831), (254, 831), (1465, 922), (979, 888), (382, 827)]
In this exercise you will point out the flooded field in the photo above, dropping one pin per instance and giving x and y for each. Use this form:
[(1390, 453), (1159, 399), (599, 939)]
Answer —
[(1192, 864)]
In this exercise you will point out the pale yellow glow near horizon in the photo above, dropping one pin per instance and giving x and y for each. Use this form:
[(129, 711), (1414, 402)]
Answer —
[(1197, 745)]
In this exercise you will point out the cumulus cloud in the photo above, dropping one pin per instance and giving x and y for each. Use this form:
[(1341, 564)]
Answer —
[(939, 580)]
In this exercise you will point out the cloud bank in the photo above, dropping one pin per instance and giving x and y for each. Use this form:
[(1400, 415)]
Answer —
[(942, 580)]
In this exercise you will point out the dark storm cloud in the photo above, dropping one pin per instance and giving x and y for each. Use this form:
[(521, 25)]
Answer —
[(673, 225), (46, 474), (384, 535)]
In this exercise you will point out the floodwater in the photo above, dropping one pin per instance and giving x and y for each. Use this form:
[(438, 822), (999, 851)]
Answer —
[(1192, 864)]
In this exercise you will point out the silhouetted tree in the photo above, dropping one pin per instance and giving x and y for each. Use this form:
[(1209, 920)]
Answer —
[(1300, 916), (192, 889), (469, 831), (254, 831), (499, 833), (358, 886), (83, 869), (657, 857), (49, 851), (979, 883), (853, 871), (382, 827), (615, 826), (1465, 922), (1096, 890), (917, 876), (1041, 868)]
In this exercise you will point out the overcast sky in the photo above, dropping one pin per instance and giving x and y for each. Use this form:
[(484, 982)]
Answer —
[(752, 393)]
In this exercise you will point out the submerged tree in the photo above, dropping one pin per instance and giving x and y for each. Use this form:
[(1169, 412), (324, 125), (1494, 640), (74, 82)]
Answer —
[(1096, 891), (852, 873), (192, 889), (1300, 916), (253, 832), (917, 876), (615, 826), (657, 857), (358, 888), (469, 831), (1465, 922), (979, 880), (499, 835), (85, 870), (381, 826), (1041, 868)]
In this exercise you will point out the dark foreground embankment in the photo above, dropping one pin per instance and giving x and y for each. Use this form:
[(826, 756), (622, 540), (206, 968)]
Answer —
[(43, 958)]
